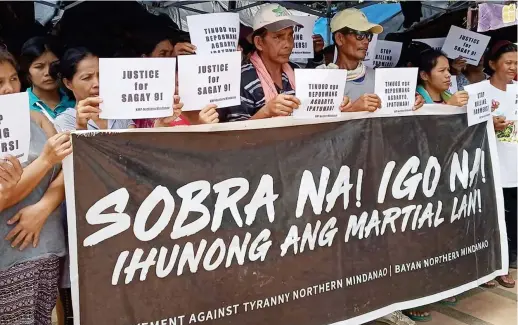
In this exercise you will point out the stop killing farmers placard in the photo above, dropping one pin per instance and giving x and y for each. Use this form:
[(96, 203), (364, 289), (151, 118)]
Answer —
[(133, 88), (15, 126), (209, 79), (214, 33)]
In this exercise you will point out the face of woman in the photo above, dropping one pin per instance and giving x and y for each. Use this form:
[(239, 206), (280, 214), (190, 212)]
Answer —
[(85, 82), (39, 72), (505, 66), (163, 49), (9, 81), (439, 78)]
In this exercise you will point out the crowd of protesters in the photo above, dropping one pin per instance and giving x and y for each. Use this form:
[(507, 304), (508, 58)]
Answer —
[(64, 95)]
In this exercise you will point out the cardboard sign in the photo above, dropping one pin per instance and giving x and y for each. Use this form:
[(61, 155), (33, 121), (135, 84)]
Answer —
[(371, 51), (396, 88), (435, 43), (135, 88), (209, 79), (454, 86), (303, 37), (15, 127), (320, 92), (479, 106), (511, 108), (465, 43), (214, 33), (387, 54)]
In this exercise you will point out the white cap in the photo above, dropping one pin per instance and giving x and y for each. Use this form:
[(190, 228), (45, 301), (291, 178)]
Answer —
[(273, 17)]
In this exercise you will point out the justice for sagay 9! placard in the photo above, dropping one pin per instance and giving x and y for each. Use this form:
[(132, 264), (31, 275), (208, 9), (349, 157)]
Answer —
[(133, 88)]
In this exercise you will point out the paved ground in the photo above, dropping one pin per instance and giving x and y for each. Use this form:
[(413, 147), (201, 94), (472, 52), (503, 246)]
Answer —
[(479, 307)]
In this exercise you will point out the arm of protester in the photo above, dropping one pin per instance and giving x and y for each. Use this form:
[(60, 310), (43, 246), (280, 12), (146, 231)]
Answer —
[(318, 49), (500, 123), (460, 98), (419, 102), (87, 109), (177, 111), (44, 123), (55, 150), (346, 104), (31, 219), (10, 174), (184, 48), (458, 65), (282, 105), (366, 103), (208, 115)]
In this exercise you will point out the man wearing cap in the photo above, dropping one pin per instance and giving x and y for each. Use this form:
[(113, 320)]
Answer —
[(352, 33), (268, 81)]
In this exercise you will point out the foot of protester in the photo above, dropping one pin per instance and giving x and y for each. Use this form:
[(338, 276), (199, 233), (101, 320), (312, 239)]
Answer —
[(506, 281), (489, 285), (452, 301), (418, 315)]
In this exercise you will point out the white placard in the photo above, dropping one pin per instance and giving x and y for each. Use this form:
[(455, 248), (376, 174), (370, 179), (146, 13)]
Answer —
[(396, 88), (454, 86), (511, 104), (303, 37), (320, 92), (15, 128), (209, 79), (465, 43), (214, 33), (134, 88), (435, 43), (371, 51), (479, 105), (387, 54)]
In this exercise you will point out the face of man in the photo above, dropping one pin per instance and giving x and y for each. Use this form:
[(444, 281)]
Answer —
[(353, 44), (276, 46)]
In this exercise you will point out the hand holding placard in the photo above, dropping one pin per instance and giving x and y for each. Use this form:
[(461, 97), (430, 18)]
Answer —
[(10, 174)]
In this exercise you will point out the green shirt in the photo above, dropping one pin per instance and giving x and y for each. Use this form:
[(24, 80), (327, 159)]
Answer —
[(38, 105)]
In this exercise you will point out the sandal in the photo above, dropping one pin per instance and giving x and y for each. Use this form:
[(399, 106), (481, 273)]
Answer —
[(418, 315), (452, 301), (489, 285), (506, 281)]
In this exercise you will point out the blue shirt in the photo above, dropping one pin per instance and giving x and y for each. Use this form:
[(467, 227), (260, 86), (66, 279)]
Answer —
[(38, 105)]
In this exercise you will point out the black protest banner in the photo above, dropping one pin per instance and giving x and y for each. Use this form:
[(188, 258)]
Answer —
[(306, 224)]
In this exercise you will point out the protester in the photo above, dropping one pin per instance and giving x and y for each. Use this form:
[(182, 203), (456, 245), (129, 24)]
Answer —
[(79, 72), (268, 81), (32, 232), (352, 33), (434, 79), (468, 74), (45, 95), (501, 65)]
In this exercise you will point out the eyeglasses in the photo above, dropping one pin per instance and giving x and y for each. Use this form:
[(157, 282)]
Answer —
[(360, 36)]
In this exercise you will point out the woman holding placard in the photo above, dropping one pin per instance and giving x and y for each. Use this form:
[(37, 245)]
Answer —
[(32, 231), (79, 72), (45, 95), (434, 79), (501, 66)]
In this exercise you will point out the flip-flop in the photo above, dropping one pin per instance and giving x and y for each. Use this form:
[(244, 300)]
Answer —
[(452, 303), (416, 318), (505, 284)]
